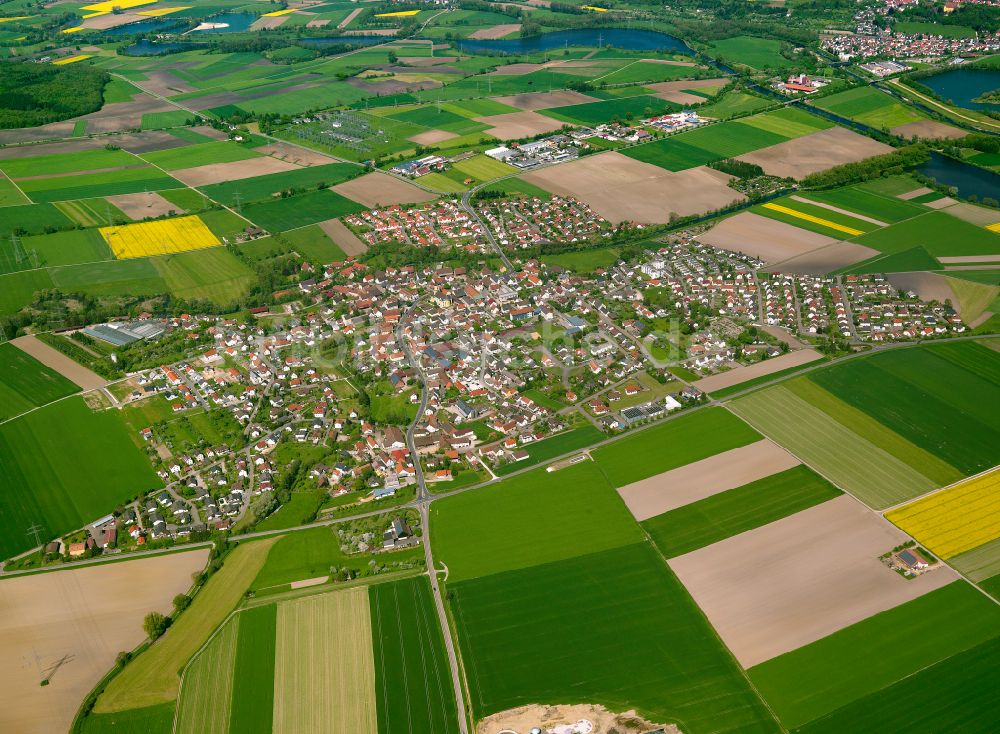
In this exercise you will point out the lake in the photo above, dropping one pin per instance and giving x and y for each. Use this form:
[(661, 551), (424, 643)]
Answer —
[(630, 40), (968, 179), (145, 47), (153, 25), (235, 23), (961, 86)]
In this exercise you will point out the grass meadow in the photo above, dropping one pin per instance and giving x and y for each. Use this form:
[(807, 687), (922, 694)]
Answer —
[(152, 678), (90, 185), (963, 690), (595, 113), (157, 719), (413, 687), (940, 233), (201, 154), (557, 515), (304, 554), (263, 188), (252, 706), (672, 444), (884, 208), (549, 448), (870, 655), (851, 462), (869, 106), (26, 383), (704, 145), (207, 688), (935, 403), (56, 471), (759, 53), (31, 218), (735, 511), (615, 628)]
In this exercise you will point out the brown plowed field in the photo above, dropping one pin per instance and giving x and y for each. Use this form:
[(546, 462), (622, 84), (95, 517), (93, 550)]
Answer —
[(85, 616), (758, 369), (781, 586), (344, 238), (58, 361), (544, 100), (140, 206), (234, 171), (381, 189), (799, 157), (768, 239), (678, 487)]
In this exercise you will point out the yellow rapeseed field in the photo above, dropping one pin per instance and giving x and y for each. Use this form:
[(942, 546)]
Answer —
[(957, 519), (70, 59), (398, 14), (162, 237), (810, 218), (111, 5)]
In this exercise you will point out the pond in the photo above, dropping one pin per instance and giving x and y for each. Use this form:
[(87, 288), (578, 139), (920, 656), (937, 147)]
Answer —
[(153, 25), (962, 86), (228, 23), (630, 40), (968, 179)]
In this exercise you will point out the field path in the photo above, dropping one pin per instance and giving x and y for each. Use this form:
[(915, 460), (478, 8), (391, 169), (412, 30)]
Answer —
[(347, 21), (58, 361)]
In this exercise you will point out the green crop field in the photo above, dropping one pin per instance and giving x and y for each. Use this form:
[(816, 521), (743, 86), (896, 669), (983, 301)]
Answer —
[(812, 210), (979, 564), (760, 53), (963, 699), (835, 451), (905, 261), (557, 445), (91, 212), (940, 472), (201, 154), (595, 113), (152, 678), (264, 187), (479, 107), (672, 444), (704, 145), (299, 211), (729, 513), (430, 116), (933, 402), (513, 187), (413, 685), (10, 195), (789, 122), (940, 233), (207, 689), (114, 277), (870, 655), (644, 71), (870, 106), (59, 163), (642, 642), (90, 185), (557, 511), (731, 103), (884, 208), (31, 219), (69, 247), (26, 383), (975, 357), (17, 290), (56, 471), (251, 710), (149, 720), (213, 274)]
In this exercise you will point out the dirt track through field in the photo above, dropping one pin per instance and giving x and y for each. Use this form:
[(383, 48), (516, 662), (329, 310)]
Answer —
[(380, 189), (324, 666), (758, 369), (768, 239), (797, 580), (85, 616), (58, 361), (678, 487), (799, 157), (620, 188), (347, 21)]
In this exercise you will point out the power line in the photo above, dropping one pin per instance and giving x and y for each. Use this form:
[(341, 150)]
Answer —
[(35, 530)]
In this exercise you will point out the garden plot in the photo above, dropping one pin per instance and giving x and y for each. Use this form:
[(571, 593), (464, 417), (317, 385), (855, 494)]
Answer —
[(779, 587), (766, 239), (759, 369), (531, 101), (85, 615), (678, 487), (233, 171), (800, 157), (620, 188), (516, 125), (381, 189)]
